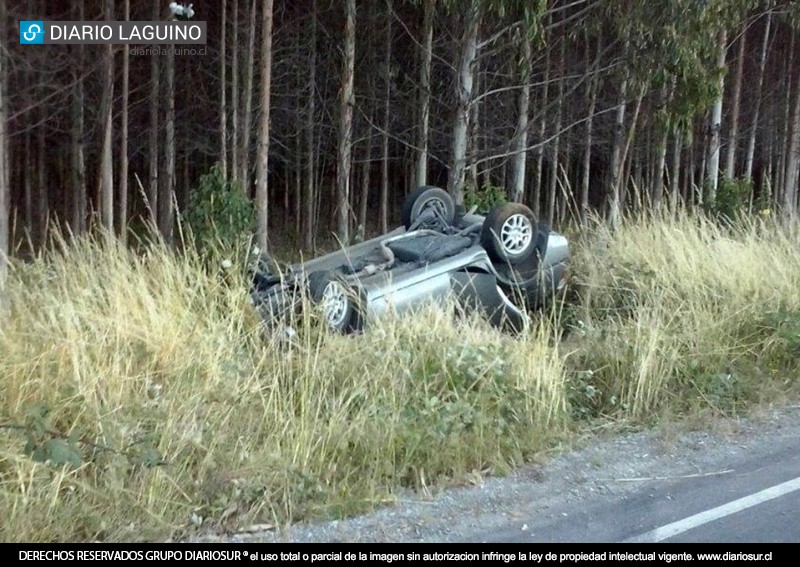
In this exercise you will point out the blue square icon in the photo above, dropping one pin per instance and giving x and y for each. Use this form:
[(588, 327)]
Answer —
[(31, 32)]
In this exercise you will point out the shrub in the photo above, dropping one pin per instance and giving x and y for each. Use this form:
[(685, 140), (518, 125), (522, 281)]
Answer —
[(219, 213), (485, 198), (733, 198)]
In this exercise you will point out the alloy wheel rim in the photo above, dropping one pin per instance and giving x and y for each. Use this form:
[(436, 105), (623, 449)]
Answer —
[(516, 234), (334, 304)]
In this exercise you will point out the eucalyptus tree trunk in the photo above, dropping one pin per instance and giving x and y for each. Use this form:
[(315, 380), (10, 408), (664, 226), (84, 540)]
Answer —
[(473, 135), (425, 92), (5, 192), (41, 197), (122, 201), (78, 223), (587, 152), (247, 115), (346, 103), (469, 48), (675, 169), (368, 109), (554, 164), (783, 150), (699, 187), (751, 142), (687, 191), (712, 173), (153, 151), (308, 198), (658, 174), (27, 188), (539, 151), (235, 91), (730, 159), (107, 117), (617, 164), (627, 164), (661, 159), (365, 178), (262, 159), (223, 91), (564, 193), (519, 160), (793, 155), (767, 176), (387, 63), (167, 196), (299, 164)]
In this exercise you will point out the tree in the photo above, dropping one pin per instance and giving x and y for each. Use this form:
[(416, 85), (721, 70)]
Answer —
[(469, 103), (538, 152), (661, 148), (223, 90), (122, 200), (793, 155), (730, 158), (464, 82), (554, 161), (166, 196), (262, 160), (235, 91), (587, 150), (387, 101), (5, 193), (519, 160), (155, 71), (712, 173), (751, 139), (617, 160), (308, 198), (346, 103), (425, 92), (244, 138), (106, 164), (363, 202), (78, 145)]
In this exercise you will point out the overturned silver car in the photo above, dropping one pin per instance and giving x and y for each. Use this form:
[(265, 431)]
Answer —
[(501, 264)]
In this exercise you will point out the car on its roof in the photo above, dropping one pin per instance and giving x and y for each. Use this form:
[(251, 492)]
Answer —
[(502, 264)]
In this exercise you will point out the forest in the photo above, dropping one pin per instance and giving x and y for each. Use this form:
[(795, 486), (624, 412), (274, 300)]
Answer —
[(326, 113)]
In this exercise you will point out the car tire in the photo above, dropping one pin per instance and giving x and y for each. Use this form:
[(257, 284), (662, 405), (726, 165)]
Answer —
[(338, 301), (509, 233), (423, 198)]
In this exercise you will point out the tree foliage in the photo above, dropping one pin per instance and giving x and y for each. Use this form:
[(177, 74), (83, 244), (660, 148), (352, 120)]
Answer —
[(219, 212)]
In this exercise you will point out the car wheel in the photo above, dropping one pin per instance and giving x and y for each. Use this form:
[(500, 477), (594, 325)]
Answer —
[(338, 301), (424, 199), (509, 233)]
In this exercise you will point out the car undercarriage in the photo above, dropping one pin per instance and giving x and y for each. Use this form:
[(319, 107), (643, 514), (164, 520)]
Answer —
[(501, 265)]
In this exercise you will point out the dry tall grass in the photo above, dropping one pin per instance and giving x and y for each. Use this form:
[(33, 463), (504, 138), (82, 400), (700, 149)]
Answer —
[(686, 312), (142, 398)]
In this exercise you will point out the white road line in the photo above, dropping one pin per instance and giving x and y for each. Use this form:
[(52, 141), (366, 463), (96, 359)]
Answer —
[(675, 528)]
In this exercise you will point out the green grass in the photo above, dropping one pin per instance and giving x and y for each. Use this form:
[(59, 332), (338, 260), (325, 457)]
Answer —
[(142, 398)]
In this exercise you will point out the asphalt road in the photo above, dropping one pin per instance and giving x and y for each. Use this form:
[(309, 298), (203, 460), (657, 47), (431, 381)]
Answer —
[(753, 497), (721, 480)]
